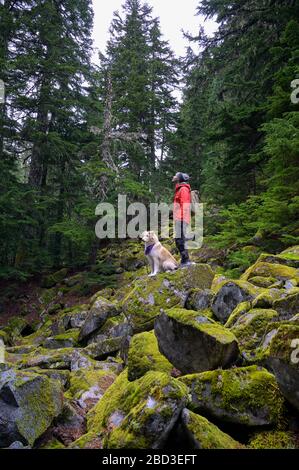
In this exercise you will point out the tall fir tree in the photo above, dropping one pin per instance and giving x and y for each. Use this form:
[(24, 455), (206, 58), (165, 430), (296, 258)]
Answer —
[(144, 74)]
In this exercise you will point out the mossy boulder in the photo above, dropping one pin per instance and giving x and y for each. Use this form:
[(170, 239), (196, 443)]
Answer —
[(17, 327), (144, 355), (267, 298), (87, 386), (68, 339), (44, 331), (99, 312), (287, 307), (273, 440), (28, 404), (52, 443), (102, 349), (249, 329), (261, 281), (150, 296), (283, 359), (138, 414), (230, 294), (75, 317), (238, 312), (115, 327), (193, 342), (280, 272), (67, 358), (63, 376), (286, 258), (291, 251), (199, 299), (248, 396), (201, 434), (218, 281)]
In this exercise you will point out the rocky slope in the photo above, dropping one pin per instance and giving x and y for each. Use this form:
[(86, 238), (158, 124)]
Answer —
[(189, 359)]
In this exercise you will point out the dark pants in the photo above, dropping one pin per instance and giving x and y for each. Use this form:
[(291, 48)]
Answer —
[(181, 239)]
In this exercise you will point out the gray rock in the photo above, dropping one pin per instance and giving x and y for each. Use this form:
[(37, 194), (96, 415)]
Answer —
[(150, 296), (193, 342), (283, 359), (104, 348), (114, 328), (28, 404), (18, 445), (99, 312), (201, 434), (231, 294), (287, 307), (248, 396), (199, 299)]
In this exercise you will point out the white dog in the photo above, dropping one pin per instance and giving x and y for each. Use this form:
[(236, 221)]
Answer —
[(159, 257)]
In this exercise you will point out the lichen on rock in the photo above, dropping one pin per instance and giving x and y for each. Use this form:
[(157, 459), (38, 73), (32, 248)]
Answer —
[(28, 404), (152, 295), (204, 435), (193, 342), (138, 414), (144, 355), (248, 395)]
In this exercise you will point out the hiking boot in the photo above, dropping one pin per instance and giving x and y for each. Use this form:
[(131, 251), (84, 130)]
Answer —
[(185, 260), (185, 264)]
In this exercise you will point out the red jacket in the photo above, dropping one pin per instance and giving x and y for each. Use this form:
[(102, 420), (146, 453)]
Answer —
[(182, 203)]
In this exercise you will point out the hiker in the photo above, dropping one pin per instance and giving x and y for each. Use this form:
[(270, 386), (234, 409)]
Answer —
[(182, 215)]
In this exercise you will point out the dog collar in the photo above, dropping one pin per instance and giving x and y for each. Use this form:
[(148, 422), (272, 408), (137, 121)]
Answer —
[(148, 249)]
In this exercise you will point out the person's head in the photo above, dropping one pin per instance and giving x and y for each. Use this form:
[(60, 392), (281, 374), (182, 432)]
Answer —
[(181, 178)]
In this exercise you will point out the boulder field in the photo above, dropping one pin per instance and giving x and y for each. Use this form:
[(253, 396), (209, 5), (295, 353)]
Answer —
[(185, 360)]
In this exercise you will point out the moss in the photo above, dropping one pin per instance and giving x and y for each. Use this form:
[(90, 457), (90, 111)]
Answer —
[(16, 325), (53, 444), (237, 391), (50, 359), (39, 400), (83, 380), (131, 406), (288, 306), (273, 440), (261, 281), (99, 350), (218, 281), (200, 322), (70, 336), (246, 286), (38, 337), (206, 435), (4, 336), (267, 298), (278, 271), (87, 441), (281, 345), (62, 375), (250, 328), (144, 355), (166, 290), (240, 310), (291, 251)]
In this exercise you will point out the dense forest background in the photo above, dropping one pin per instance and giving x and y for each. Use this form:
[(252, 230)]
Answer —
[(73, 133)]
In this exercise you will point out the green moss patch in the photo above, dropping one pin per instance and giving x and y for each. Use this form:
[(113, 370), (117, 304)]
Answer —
[(247, 395), (144, 355)]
